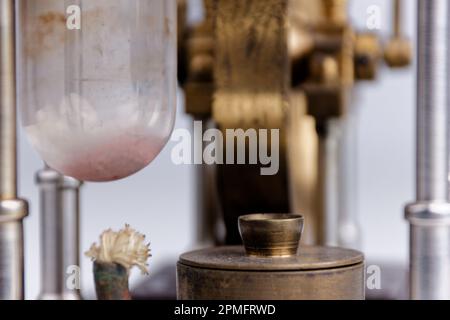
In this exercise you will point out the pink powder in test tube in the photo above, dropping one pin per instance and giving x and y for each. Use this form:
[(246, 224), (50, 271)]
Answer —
[(113, 160)]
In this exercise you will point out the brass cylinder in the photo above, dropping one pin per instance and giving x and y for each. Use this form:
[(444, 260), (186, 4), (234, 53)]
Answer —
[(318, 273), (270, 266)]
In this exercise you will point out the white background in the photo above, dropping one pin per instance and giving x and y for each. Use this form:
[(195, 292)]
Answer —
[(160, 200)]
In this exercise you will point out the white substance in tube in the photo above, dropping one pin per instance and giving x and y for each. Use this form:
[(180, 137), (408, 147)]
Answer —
[(75, 142)]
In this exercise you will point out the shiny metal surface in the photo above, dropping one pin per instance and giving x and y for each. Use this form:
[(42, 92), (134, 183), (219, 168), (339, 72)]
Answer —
[(12, 210), (429, 250), (11, 261), (8, 189), (52, 268), (59, 196), (70, 200), (430, 215), (11, 249), (271, 235), (433, 100), (430, 277), (59, 208)]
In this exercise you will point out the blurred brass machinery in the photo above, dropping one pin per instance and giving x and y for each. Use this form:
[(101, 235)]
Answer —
[(289, 65), (281, 64)]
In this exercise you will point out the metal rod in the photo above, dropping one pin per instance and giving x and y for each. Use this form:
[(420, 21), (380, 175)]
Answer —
[(430, 215), (59, 235), (397, 23), (52, 269), (331, 194), (349, 231), (323, 175), (433, 98), (70, 200), (12, 210), (8, 170)]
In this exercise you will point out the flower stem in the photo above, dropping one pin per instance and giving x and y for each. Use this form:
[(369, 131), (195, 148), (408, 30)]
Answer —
[(111, 281)]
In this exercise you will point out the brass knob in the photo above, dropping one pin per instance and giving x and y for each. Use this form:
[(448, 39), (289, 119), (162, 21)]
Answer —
[(271, 235), (398, 52)]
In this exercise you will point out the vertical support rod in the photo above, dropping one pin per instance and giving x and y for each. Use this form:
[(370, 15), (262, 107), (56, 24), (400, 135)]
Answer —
[(349, 230), (433, 98), (59, 197), (397, 17), (70, 202), (430, 215), (8, 170), (52, 272), (12, 210), (326, 206)]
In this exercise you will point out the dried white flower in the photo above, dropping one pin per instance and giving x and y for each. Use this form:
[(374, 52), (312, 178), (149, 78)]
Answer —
[(126, 247)]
